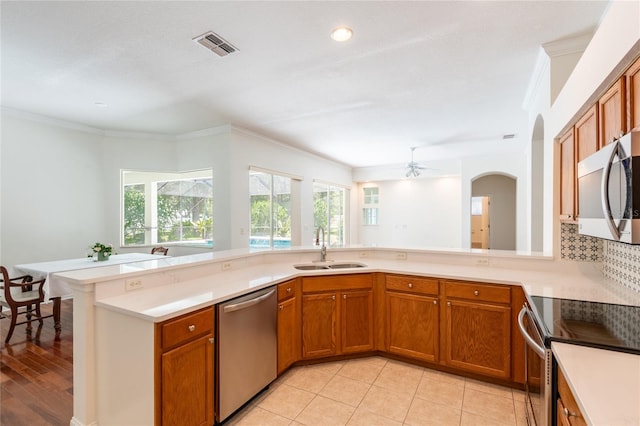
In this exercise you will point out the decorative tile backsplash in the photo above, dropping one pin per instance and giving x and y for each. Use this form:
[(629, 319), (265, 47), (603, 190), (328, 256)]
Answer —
[(620, 261), (582, 248), (622, 264)]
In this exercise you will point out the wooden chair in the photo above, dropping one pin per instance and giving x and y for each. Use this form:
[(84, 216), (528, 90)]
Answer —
[(21, 292), (160, 250)]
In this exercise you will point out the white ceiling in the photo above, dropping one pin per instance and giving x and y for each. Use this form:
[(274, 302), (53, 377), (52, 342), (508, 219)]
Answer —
[(448, 74)]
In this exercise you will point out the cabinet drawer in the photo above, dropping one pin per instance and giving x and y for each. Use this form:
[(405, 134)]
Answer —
[(184, 328), (337, 283), (417, 285), (286, 290), (478, 291)]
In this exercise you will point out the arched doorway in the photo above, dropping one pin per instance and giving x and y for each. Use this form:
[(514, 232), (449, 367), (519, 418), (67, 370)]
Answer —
[(496, 193)]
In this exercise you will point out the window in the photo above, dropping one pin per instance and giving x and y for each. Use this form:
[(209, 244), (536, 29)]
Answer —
[(165, 207), (329, 212), (270, 199), (370, 213)]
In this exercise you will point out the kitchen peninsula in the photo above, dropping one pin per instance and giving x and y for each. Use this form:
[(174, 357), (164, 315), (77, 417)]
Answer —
[(106, 314)]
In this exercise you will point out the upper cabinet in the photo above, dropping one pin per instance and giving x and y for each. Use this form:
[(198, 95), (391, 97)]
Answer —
[(586, 134), (632, 77), (612, 109)]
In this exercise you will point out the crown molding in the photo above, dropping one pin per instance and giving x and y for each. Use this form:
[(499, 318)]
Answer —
[(540, 72), (38, 118), (569, 45)]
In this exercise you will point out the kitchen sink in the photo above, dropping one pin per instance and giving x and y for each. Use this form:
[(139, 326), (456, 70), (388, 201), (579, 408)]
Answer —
[(310, 267), (321, 266), (346, 265)]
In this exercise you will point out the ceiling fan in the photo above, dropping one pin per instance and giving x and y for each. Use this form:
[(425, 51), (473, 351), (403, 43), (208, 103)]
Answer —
[(413, 168)]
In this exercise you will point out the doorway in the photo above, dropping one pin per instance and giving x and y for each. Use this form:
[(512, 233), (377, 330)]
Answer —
[(500, 190), (480, 226)]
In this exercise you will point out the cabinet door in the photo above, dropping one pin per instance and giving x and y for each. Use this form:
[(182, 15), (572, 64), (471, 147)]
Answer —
[(633, 96), (478, 338), (356, 318), (319, 325), (586, 134), (567, 177), (288, 334), (187, 384), (412, 326), (612, 110)]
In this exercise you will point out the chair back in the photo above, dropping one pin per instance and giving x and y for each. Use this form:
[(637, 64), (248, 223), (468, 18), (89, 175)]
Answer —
[(20, 290), (160, 250)]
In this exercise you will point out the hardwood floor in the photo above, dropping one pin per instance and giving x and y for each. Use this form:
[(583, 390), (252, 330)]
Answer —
[(36, 372)]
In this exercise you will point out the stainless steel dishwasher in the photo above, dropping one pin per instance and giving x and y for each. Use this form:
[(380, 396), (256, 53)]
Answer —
[(246, 348)]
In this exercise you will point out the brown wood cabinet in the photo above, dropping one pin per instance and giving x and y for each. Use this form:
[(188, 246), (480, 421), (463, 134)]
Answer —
[(586, 134), (477, 328), (184, 370), (568, 412), (612, 113), (632, 77), (412, 317), (288, 324), (567, 177), (337, 315)]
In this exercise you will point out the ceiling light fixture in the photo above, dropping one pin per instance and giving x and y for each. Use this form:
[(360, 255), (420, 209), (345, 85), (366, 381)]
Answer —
[(341, 33)]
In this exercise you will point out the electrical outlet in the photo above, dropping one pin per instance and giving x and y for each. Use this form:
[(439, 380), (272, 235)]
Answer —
[(134, 284), (226, 266), (401, 255), (482, 262), (364, 254)]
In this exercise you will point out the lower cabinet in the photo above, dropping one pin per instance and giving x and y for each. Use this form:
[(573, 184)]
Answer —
[(288, 325), (184, 373), (477, 328), (412, 317), (337, 315), (568, 412)]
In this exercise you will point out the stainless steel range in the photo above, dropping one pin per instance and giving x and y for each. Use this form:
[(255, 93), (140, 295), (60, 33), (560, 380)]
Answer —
[(544, 320)]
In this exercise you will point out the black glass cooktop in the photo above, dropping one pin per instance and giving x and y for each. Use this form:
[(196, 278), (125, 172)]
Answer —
[(600, 325)]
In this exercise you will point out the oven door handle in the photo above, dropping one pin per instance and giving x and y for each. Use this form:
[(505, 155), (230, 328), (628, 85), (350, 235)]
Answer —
[(537, 348)]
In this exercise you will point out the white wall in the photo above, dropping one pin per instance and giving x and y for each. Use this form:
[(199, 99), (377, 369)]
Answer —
[(53, 184), (419, 212)]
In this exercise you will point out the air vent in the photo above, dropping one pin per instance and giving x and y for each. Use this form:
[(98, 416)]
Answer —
[(509, 136), (215, 43)]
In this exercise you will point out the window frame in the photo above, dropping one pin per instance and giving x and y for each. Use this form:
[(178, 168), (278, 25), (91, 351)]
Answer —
[(149, 180)]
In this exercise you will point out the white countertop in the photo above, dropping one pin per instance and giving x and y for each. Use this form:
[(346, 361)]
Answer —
[(182, 292), (606, 384)]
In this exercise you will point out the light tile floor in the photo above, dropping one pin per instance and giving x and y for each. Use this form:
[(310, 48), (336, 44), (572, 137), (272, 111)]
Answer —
[(378, 391)]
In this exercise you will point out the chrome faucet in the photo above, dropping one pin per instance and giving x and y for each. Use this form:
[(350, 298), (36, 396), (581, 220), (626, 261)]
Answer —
[(323, 250)]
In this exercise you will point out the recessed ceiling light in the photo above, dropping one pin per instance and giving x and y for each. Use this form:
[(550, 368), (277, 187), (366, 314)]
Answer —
[(100, 104), (341, 34)]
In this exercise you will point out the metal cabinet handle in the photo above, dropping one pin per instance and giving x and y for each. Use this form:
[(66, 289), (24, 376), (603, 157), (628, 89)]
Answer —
[(435, 302), (344, 296), (568, 413), (333, 297), (281, 307), (289, 290), (448, 303), (192, 328), (211, 340), (410, 285), (476, 293)]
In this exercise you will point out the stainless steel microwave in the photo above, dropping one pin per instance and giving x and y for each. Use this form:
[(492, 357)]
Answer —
[(609, 191)]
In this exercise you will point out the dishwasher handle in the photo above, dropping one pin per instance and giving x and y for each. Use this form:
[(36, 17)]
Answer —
[(532, 343), (248, 303)]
